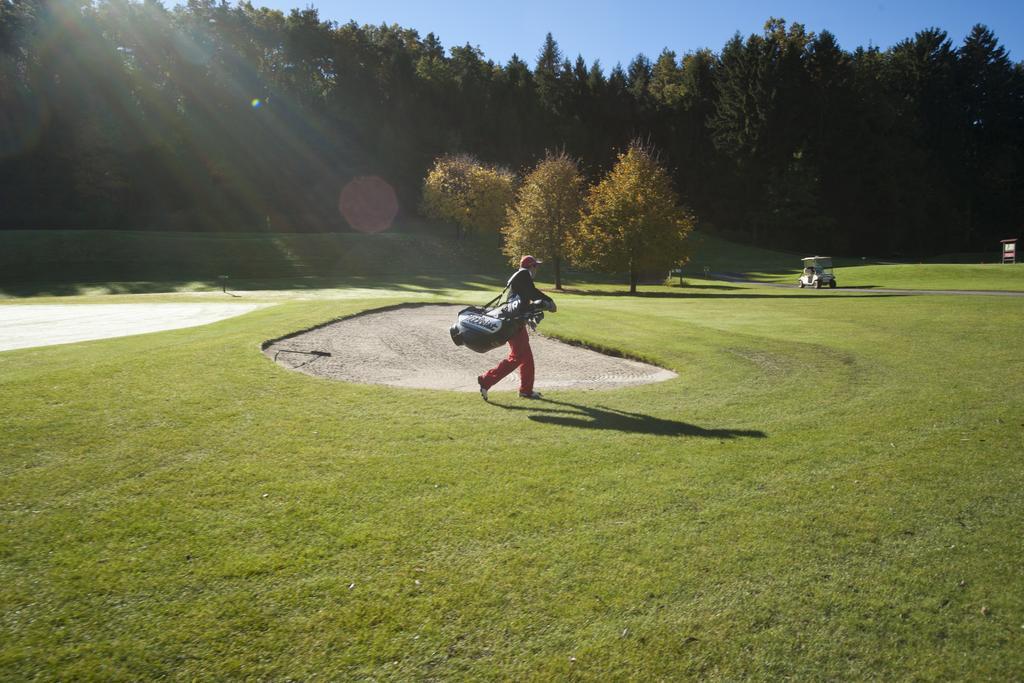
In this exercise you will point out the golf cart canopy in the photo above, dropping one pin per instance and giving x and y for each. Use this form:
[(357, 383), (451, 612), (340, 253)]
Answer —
[(822, 262)]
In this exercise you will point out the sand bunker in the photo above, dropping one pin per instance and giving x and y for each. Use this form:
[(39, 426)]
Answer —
[(409, 346)]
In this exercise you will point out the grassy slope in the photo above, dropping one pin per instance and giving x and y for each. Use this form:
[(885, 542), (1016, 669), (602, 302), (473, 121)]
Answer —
[(770, 266), (831, 489), (65, 262), (978, 276)]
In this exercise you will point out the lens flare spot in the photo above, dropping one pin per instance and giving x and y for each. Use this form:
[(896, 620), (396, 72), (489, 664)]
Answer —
[(369, 204), (256, 103)]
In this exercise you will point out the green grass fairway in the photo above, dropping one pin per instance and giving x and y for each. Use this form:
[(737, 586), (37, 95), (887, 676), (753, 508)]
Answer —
[(832, 489)]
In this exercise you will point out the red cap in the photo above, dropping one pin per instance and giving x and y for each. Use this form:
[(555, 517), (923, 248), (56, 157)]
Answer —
[(529, 262)]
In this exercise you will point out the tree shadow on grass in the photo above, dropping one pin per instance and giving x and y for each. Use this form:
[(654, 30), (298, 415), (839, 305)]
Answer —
[(701, 285), (595, 417), (687, 288), (796, 295)]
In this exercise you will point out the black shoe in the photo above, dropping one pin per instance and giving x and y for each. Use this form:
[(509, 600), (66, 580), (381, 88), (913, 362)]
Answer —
[(529, 394)]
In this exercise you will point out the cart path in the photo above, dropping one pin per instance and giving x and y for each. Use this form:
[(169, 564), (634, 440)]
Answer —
[(735, 277), (410, 346), (25, 326)]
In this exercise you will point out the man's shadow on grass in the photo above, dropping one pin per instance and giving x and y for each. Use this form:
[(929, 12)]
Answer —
[(593, 417)]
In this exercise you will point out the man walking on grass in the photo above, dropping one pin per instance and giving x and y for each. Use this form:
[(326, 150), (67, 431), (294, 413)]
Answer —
[(522, 287)]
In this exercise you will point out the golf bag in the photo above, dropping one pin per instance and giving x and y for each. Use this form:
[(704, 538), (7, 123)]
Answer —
[(482, 328)]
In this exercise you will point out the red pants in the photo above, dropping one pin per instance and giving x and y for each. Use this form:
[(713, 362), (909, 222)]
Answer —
[(521, 356)]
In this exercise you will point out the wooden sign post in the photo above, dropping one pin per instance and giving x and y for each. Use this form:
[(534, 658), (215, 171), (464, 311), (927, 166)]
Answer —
[(1009, 251)]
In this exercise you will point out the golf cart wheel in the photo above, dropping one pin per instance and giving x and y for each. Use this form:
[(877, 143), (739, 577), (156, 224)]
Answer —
[(800, 284), (832, 284), (817, 284)]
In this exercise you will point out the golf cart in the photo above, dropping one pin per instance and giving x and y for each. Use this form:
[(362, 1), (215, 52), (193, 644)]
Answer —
[(817, 272)]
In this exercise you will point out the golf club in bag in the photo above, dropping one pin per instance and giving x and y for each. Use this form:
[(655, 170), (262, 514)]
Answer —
[(482, 328)]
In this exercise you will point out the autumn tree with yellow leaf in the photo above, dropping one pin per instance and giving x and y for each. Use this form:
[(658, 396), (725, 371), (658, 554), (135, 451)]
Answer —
[(546, 213), (472, 195), (632, 220)]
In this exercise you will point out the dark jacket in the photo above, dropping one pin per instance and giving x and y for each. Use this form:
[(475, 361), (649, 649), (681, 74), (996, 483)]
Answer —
[(521, 285)]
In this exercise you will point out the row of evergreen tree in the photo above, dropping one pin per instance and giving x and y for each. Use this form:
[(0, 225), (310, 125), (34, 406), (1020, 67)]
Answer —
[(126, 114)]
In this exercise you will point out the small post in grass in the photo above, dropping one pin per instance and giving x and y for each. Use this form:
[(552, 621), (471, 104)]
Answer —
[(223, 283)]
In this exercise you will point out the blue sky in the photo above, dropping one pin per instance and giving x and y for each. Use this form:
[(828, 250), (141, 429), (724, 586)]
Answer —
[(617, 31)]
